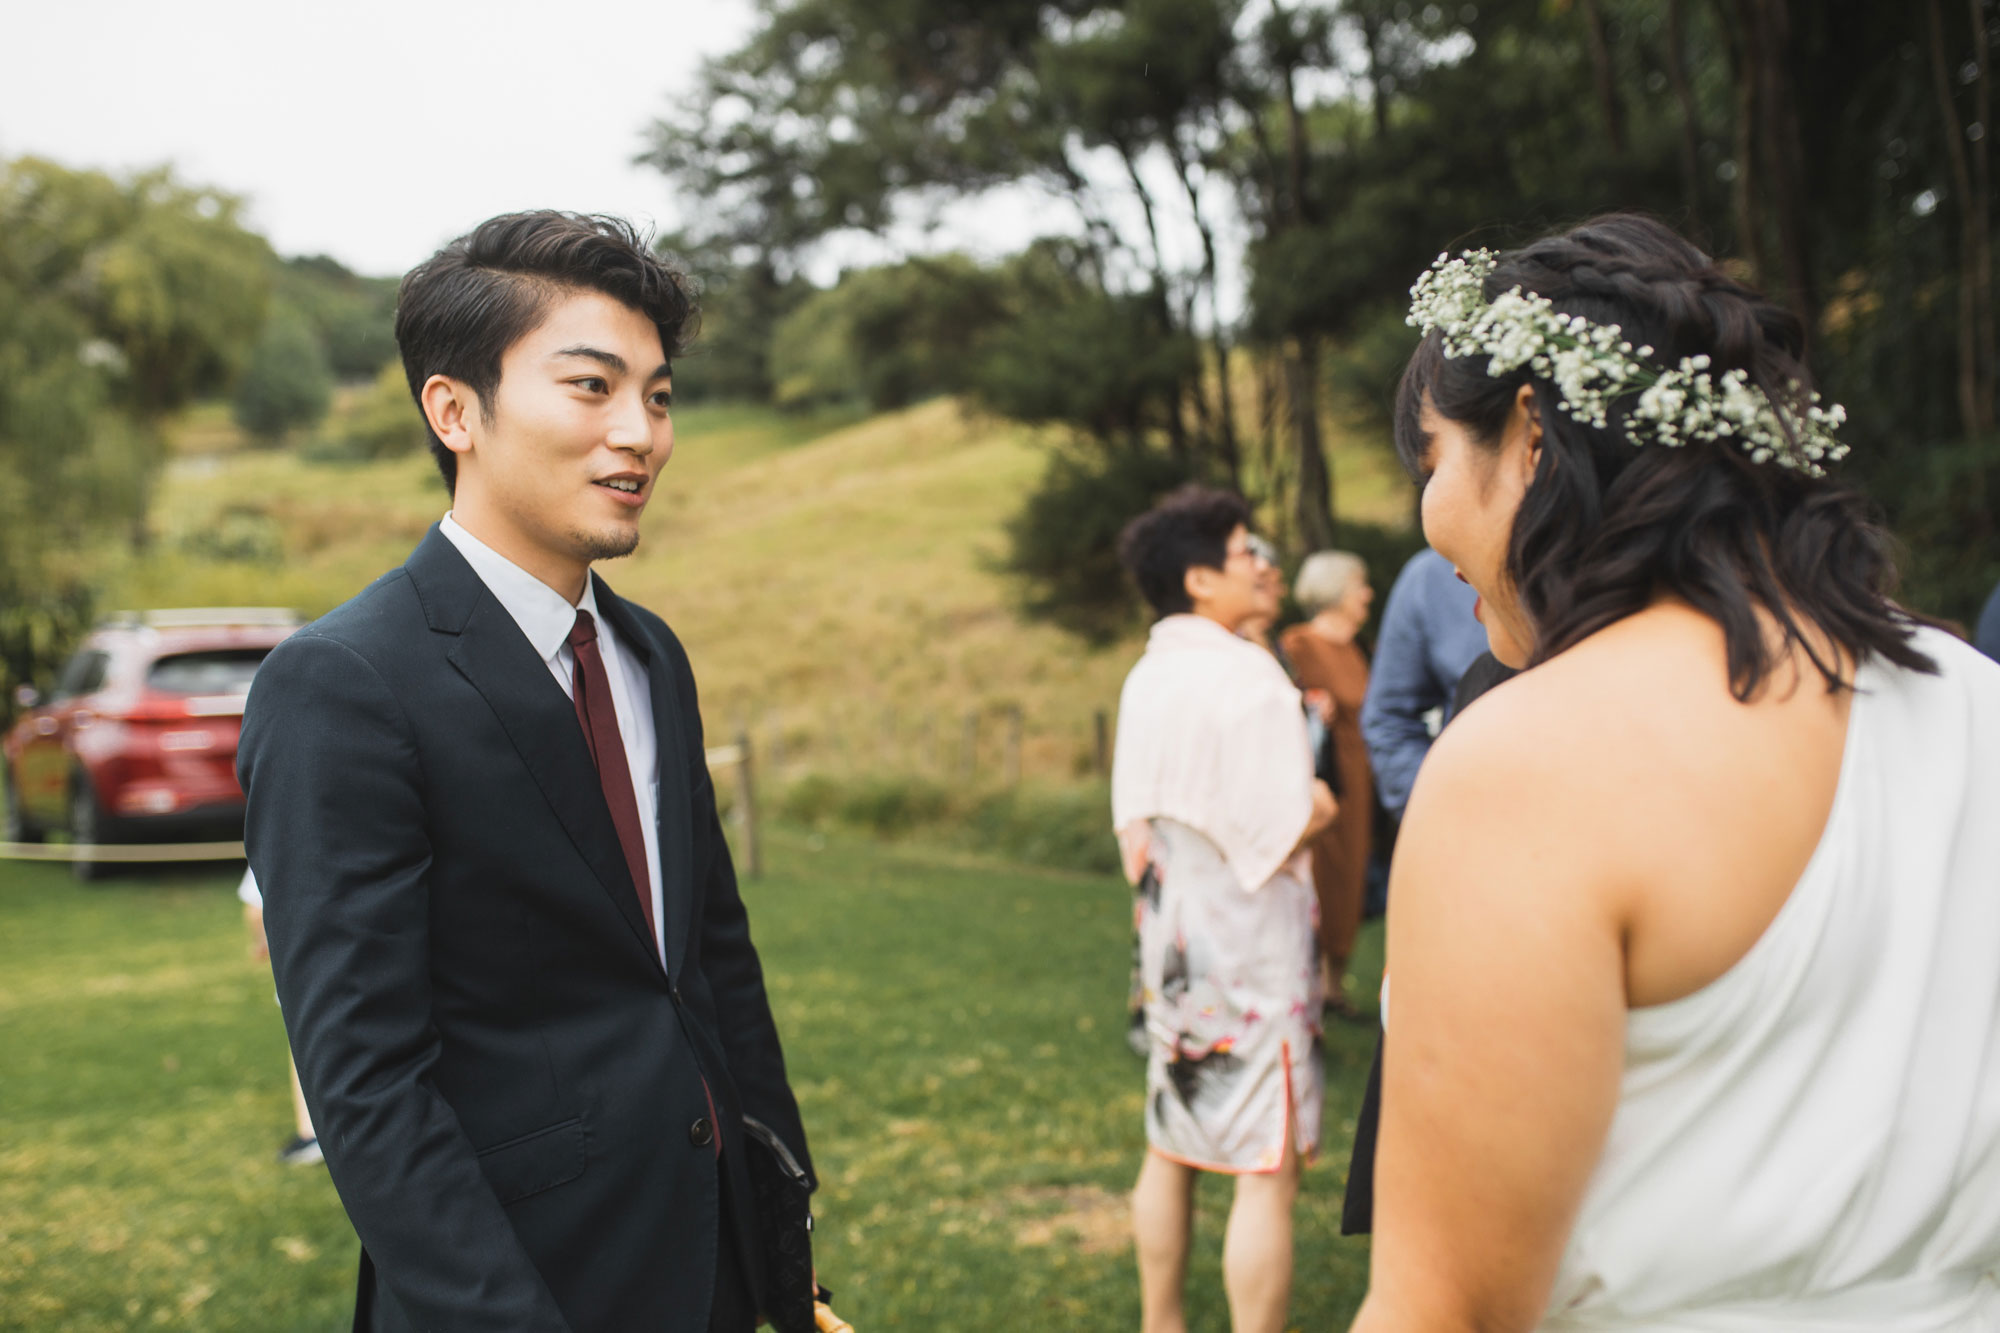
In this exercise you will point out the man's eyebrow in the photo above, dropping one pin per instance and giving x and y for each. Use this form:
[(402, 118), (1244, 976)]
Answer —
[(609, 360)]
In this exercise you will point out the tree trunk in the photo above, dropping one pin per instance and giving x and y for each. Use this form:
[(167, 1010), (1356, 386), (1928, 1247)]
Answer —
[(1606, 75), (1297, 144), (1270, 456), (1975, 389), (1690, 145), (1371, 45), (1982, 221), (1232, 454), (1313, 503), (1746, 60), (1784, 160), (1224, 421)]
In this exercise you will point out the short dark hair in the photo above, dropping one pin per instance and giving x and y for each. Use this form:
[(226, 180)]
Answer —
[(1189, 528), (459, 311), (1606, 527)]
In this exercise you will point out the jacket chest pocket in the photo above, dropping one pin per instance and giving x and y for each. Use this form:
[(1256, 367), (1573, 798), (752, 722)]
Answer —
[(536, 1161)]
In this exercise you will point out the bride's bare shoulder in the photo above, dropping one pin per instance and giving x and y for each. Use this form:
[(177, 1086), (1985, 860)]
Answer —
[(1599, 724)]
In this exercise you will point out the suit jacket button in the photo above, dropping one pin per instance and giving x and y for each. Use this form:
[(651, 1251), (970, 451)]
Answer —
[(700, 1132)]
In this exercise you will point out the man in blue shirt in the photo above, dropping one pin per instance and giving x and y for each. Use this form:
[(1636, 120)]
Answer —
[(1428, 638), (1987, 637)]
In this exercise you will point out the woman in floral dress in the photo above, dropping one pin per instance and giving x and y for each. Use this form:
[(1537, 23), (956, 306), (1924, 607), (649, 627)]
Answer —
[(1213, 799)]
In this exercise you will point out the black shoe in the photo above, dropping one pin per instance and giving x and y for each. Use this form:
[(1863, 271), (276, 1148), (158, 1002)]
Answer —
[(301, 1152), (1344, 1010)]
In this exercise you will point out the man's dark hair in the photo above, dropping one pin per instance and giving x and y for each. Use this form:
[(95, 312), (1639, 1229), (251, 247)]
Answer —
[(1187, 529), (1605, 528), (459, 311)]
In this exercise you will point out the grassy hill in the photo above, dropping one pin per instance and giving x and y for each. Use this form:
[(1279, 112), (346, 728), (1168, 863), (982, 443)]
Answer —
[(831, 577)]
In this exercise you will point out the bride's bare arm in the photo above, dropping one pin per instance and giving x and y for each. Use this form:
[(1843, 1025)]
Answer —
[(1502, 1070)]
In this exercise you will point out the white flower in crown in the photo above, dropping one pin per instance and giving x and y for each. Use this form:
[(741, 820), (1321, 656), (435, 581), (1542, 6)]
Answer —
[(1593, 366)]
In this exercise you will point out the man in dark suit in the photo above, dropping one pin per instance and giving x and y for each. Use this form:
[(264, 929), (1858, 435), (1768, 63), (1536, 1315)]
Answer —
[(515, 967)]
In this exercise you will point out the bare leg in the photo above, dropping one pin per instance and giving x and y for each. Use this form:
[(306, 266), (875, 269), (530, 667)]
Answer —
[(1331, 972), (301, 1117), (1257, 1248), (1162, 1219)]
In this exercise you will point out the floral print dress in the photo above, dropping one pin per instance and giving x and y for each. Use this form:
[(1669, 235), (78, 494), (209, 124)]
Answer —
[(1230, 984)]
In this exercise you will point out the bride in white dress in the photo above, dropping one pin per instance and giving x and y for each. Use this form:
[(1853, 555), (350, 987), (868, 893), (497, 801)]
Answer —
[(1694, 927)]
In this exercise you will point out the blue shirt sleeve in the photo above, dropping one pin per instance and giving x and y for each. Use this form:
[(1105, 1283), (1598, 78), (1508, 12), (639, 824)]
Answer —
[(1987, 637), (1428, 638), (1401, 688)]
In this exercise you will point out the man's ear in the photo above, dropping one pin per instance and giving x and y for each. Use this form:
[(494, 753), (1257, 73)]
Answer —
[(1198, 581), (449, 407)]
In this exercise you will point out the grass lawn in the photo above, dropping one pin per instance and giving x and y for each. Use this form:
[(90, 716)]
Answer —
[(955, 1033)]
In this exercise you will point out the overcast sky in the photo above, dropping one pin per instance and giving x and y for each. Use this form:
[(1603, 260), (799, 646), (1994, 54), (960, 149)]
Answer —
[(376, 130), (369, 130)]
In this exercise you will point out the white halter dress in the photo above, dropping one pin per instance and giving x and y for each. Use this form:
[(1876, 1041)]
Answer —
[(1812, 1142)]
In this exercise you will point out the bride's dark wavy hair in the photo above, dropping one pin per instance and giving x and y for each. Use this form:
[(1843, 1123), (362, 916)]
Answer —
[(1606, 526)]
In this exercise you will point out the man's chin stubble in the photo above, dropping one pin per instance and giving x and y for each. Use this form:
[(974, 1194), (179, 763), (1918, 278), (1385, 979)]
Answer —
[(594, 546)]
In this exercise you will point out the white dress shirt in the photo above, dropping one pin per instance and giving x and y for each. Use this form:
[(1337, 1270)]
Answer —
[(546, 618)]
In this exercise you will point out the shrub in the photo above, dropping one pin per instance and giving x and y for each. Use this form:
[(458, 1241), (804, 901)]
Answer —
[(1062, 827), (287, 384), (886, 336), (381, 422), (1062, 545)]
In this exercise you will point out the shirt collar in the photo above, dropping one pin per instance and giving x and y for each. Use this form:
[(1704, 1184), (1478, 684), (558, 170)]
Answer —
[(544, 615), (1187, 630)]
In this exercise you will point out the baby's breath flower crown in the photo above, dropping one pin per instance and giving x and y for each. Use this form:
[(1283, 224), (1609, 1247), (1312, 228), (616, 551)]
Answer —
[(1592, 366)]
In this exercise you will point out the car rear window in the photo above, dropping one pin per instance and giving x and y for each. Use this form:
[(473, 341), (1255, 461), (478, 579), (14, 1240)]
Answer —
[(219, 671), (82, 674)]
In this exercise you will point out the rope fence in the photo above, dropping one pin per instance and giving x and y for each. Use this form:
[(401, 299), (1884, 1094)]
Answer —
[(109, 852), (738, 756)]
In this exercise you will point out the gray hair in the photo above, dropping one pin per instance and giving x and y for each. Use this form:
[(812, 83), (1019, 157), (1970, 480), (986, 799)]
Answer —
[(1325, 578)]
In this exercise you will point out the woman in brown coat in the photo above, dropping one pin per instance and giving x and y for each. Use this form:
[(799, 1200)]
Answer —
[(1332, 588)]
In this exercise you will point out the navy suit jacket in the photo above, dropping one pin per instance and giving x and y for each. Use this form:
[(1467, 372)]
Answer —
[(512, 1093)]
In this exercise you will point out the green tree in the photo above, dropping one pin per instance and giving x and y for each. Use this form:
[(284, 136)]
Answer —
[(1838, 154), (288, 383), (120, 300), (354, 317), (888, 336), (382, 421)]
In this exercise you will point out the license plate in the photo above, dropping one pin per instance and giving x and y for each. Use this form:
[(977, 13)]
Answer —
[(186, 740)]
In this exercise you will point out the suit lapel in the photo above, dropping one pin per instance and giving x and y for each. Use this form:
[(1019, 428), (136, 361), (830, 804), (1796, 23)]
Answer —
[(676, 814), (490, 651)]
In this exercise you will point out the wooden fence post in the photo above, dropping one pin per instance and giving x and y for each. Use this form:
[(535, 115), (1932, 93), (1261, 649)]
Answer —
[(1101, 751), (746, 805), (1012, 770)]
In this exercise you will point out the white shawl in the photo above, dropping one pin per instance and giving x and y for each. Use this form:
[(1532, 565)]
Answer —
[(1211, 734)]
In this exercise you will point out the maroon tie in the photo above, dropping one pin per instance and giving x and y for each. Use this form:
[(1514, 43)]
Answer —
[(591, 691)]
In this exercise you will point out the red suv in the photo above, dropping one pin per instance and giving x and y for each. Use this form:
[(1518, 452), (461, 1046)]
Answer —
[(136, 742)]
